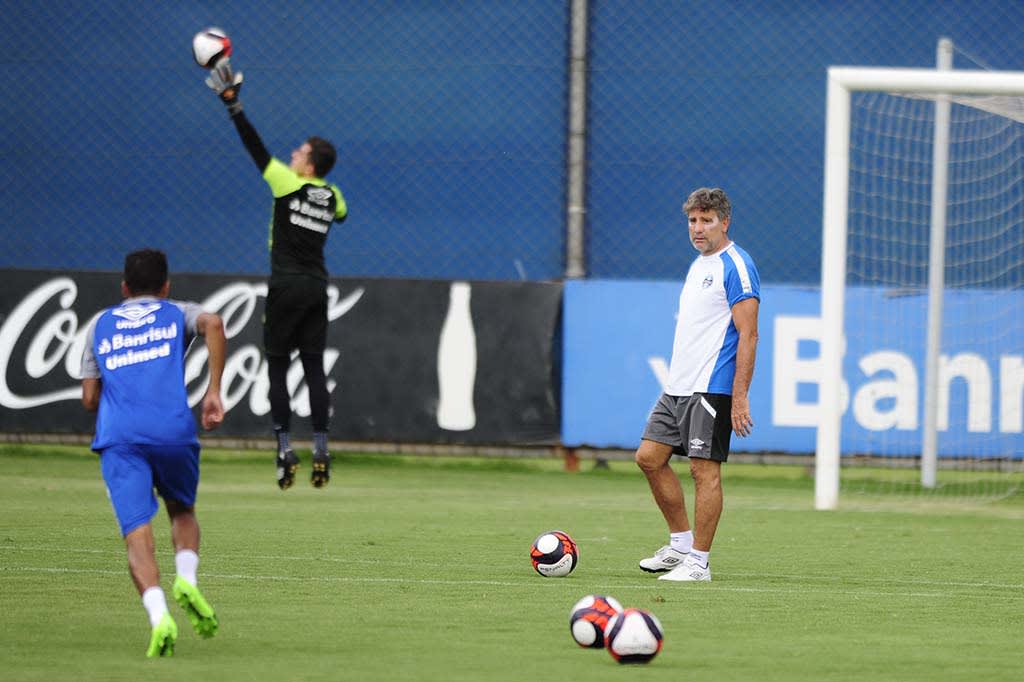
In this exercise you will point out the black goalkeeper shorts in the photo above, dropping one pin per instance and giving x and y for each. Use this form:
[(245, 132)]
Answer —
[(295, 316)]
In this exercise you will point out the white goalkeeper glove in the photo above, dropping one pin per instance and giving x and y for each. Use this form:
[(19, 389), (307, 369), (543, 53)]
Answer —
[(226, 83)]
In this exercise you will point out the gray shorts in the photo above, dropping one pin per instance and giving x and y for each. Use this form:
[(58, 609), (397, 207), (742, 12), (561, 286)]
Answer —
[(698, 425)]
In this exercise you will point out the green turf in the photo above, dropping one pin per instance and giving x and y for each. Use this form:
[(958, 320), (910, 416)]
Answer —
[(408, 568)]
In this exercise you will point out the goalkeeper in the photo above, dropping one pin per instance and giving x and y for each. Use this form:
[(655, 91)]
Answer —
[(305, 206)]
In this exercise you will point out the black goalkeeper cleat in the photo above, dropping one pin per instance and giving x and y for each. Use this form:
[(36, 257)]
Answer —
[(321, 469), (287, 464)]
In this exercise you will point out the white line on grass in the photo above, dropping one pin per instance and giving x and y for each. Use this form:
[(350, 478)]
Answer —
[(235, 555), (789, 577), (718, 587)]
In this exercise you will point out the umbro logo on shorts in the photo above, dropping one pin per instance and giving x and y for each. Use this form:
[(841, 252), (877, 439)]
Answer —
[(696, 444)]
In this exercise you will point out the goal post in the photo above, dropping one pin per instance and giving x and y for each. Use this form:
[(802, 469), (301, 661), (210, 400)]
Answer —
[(842, 81)]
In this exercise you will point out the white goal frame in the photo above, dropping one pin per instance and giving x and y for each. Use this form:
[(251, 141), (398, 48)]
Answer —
[(841, 82)]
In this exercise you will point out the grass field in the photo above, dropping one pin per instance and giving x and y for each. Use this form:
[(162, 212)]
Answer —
[(417, 568)]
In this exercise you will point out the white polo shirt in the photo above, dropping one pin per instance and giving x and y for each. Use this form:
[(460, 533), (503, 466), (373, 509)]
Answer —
[(704, 350)]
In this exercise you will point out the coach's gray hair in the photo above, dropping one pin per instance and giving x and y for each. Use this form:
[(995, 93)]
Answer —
[(709, 199)]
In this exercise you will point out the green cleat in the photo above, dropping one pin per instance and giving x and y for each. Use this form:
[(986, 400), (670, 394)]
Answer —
[(161, 642), (204, 620)]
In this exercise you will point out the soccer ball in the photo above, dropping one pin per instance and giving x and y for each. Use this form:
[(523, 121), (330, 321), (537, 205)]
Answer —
[(554, 554), (209, 45), (589, 617), (633, 636)]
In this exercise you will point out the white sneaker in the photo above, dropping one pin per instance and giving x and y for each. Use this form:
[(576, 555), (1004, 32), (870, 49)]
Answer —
[(665, 559), (690, 570)]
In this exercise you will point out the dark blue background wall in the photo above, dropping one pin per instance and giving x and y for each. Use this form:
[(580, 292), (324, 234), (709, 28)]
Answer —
[(448, 117), (450, 123), (732, 94)]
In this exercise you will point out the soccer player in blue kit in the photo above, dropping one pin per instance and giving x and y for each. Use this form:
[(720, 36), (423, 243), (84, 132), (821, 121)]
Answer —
[(133, 376), (705, 398)]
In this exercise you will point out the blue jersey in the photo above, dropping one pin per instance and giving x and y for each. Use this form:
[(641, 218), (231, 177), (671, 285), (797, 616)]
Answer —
[(137, 350)]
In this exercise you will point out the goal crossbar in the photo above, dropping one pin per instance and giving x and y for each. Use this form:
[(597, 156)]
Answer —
[(842, 81)]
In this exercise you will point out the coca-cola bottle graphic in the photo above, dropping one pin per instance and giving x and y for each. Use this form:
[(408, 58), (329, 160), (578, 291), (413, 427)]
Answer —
[(456, 363)]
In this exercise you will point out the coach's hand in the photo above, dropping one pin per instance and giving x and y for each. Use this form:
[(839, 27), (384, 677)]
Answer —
[(226, 83), (742, 424)]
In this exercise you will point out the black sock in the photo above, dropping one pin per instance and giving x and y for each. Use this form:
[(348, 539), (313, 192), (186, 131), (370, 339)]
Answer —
[(283, 442)]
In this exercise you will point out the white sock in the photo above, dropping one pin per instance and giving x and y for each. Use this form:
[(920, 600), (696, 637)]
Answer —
[(701, 557), (187, 563), (156, 604), (681, 542)]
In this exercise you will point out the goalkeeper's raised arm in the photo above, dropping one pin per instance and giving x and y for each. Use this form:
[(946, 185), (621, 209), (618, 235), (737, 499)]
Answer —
[(228, 84)]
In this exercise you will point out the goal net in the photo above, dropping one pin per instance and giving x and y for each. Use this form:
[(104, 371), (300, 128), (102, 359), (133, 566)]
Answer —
[(922, 285)]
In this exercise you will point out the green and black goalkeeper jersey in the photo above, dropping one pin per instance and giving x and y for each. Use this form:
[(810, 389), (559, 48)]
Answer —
[(304, 209)]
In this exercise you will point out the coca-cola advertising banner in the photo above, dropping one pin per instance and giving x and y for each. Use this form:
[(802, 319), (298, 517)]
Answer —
[(416, 361)]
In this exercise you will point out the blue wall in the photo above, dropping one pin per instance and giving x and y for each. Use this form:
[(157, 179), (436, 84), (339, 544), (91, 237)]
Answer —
[(732, 94), (450, 121)]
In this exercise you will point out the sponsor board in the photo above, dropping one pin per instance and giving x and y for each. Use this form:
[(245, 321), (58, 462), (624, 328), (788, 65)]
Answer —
[(425, 361), (618, 344)]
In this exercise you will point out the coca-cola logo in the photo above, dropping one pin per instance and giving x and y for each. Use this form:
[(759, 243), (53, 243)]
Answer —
[(56, 339)]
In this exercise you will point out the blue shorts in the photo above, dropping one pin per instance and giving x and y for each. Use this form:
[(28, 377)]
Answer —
[(131, 472)]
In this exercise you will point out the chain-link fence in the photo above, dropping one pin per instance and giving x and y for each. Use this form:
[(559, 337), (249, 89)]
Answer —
[(733, 94), (450, 120)]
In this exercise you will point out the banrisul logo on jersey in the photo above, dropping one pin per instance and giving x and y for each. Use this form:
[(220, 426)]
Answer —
[(122, 349), (309, 216)]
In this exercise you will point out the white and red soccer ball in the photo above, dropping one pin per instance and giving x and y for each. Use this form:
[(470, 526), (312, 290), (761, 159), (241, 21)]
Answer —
[(589, 618), (210, 45), (633, 636), (554, 554)]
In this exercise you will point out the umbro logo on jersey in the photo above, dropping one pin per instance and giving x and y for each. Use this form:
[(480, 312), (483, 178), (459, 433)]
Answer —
[(320, 196), (708, 281), (696, 444), (136, 311), (135, 315)]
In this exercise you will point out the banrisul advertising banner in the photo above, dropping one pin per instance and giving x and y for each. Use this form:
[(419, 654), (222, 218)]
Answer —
[(420, 361), (618, 336)]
